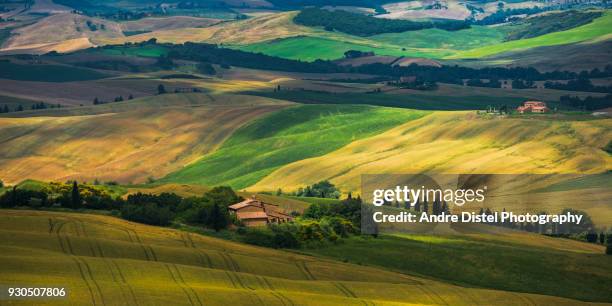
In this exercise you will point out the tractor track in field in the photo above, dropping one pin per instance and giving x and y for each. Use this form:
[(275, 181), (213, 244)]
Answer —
[(259, 300), (124, 282), (431, 294), (178, 279), (283, 298), (137, 240), (347, 292), (203, 257), (301, 265), (229, 261), (265, 284), (91, 292), (87, 276)]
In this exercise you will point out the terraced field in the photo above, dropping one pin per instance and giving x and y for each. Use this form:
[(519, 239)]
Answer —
[(126, 142), (294, 134), (106, 261)]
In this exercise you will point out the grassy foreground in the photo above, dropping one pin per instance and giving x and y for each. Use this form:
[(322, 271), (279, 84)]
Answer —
[(106, 261)]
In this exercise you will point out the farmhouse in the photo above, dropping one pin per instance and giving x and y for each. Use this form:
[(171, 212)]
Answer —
[(533, 107), (254, 212)]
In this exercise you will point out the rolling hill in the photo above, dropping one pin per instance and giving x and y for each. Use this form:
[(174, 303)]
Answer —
[(598, 30), (126, 142), (104, 260), (457, 142), (290, 135), (473, 254)]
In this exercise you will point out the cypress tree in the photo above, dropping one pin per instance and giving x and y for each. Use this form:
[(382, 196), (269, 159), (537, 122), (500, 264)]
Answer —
[(76, 196)]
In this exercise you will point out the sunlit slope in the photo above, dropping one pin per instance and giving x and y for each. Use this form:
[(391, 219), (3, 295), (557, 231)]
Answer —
[(62, 32), (291, 135), (458, 142), (107, 261), (599, 29), (429, 43), (257, 29), (126, 142)]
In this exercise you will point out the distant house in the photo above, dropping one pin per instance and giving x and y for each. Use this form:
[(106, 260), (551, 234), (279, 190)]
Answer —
[(254, 212), (533, 107)]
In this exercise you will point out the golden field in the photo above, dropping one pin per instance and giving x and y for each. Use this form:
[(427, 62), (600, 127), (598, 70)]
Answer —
[(458, 142), (106, 261), (126, 142)]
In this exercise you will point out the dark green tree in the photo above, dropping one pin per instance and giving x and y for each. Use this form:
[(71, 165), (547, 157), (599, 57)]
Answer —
[(161, 89), (75, 199), (218, 219)]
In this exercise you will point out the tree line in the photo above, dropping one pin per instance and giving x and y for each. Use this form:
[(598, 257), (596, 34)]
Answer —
[(362, 25), (208, 54), (35, 106)]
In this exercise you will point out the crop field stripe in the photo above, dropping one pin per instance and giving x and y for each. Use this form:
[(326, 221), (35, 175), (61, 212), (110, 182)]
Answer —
[(279, 297), (91, 293), (263, 282), (267, 282), (228, 261), (180, 276), (289, 301), (137, 238), (233, 262), (78, 224), (111, 267), (206, 262), (88, 270), (302, 266), (124, 282), (152, 252), (178, 284), (229, 276), (240, 281), (432, 294), (63, 240), (259, 301), (346, 290)]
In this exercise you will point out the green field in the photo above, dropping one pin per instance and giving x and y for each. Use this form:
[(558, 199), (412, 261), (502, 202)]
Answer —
[(307, 48), (141, 50), (486, 261), (428, 43), (47, 73), (293, 134), (102, 260), (600, 27), (474, 37)]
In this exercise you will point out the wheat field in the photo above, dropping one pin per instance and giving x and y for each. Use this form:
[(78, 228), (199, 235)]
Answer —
[(107, 261)]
